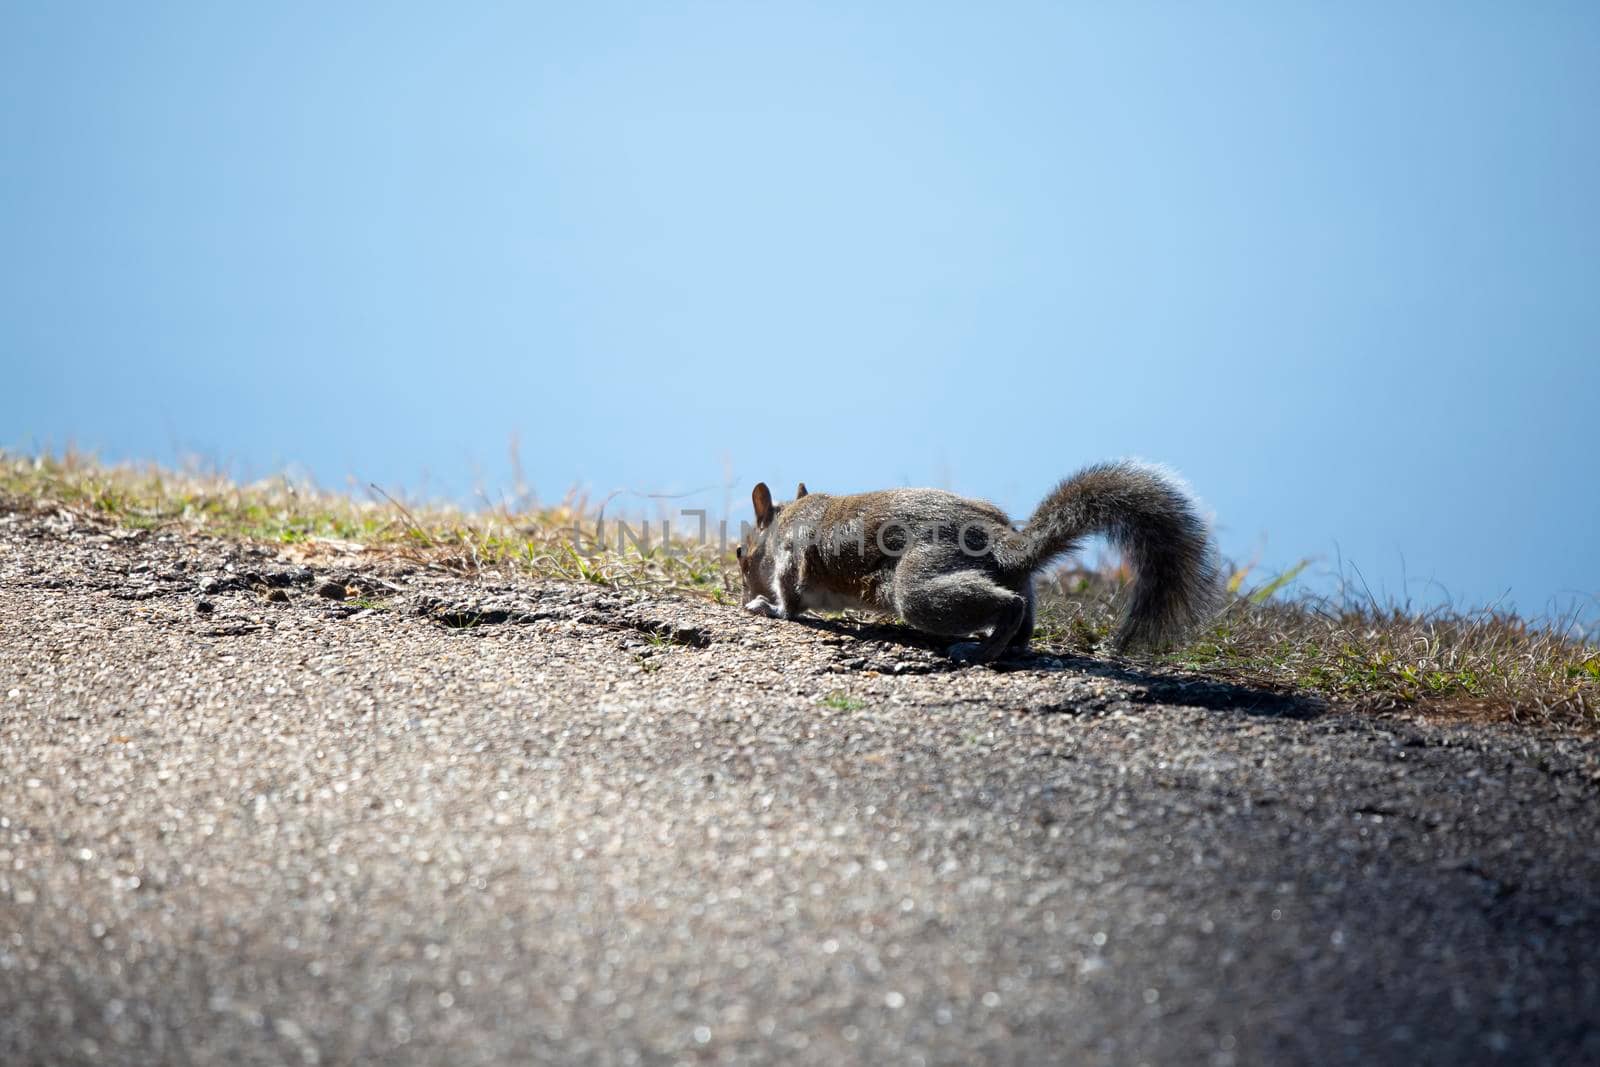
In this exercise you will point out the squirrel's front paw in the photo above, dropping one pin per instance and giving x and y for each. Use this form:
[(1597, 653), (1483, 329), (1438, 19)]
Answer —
[(762, 606), (964, 652)]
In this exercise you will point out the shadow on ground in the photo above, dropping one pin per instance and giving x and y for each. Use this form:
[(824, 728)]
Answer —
[(1157, 686)]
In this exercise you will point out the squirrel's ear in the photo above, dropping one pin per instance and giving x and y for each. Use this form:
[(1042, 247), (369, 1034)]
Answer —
[(762, 499), (800, 492)]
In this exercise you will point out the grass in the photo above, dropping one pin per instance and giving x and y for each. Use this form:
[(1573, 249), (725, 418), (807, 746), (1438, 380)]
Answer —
[(842, 702), (1353, 651), (566, 541), (1349, 650)]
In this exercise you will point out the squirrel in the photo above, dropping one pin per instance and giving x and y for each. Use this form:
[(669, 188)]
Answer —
[(957, 567)]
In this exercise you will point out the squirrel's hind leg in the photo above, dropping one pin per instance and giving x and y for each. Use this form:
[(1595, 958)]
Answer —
[(1024, 634), (961, 604)]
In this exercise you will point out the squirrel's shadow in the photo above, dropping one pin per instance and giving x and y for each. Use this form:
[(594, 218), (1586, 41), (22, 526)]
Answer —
[(1155, 686)]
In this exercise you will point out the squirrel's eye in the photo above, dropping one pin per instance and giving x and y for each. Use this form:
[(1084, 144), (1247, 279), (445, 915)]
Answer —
[(738, 553)]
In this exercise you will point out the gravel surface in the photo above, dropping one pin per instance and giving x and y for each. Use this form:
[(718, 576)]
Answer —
[(315, 808)]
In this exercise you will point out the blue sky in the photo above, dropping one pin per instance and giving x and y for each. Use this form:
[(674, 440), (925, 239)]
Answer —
[(1338, 264)]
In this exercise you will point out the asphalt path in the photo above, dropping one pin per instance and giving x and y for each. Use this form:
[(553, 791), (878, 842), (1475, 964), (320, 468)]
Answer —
[(256, 808)]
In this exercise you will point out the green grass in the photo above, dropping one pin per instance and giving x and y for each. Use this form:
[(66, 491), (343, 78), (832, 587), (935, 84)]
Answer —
[(1352, 651), (559, 541), (1355, 652), (842, 702)]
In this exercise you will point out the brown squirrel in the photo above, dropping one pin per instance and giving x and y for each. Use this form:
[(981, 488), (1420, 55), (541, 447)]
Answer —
[(956, 567)]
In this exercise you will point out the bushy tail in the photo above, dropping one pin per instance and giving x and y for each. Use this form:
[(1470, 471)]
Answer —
[(1149, 515)]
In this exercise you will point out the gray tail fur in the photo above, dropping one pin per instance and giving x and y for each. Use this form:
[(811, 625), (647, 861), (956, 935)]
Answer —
[(1149, 515)]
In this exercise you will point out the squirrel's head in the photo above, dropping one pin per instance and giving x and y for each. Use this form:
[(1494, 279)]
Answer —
[(757, 560)]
